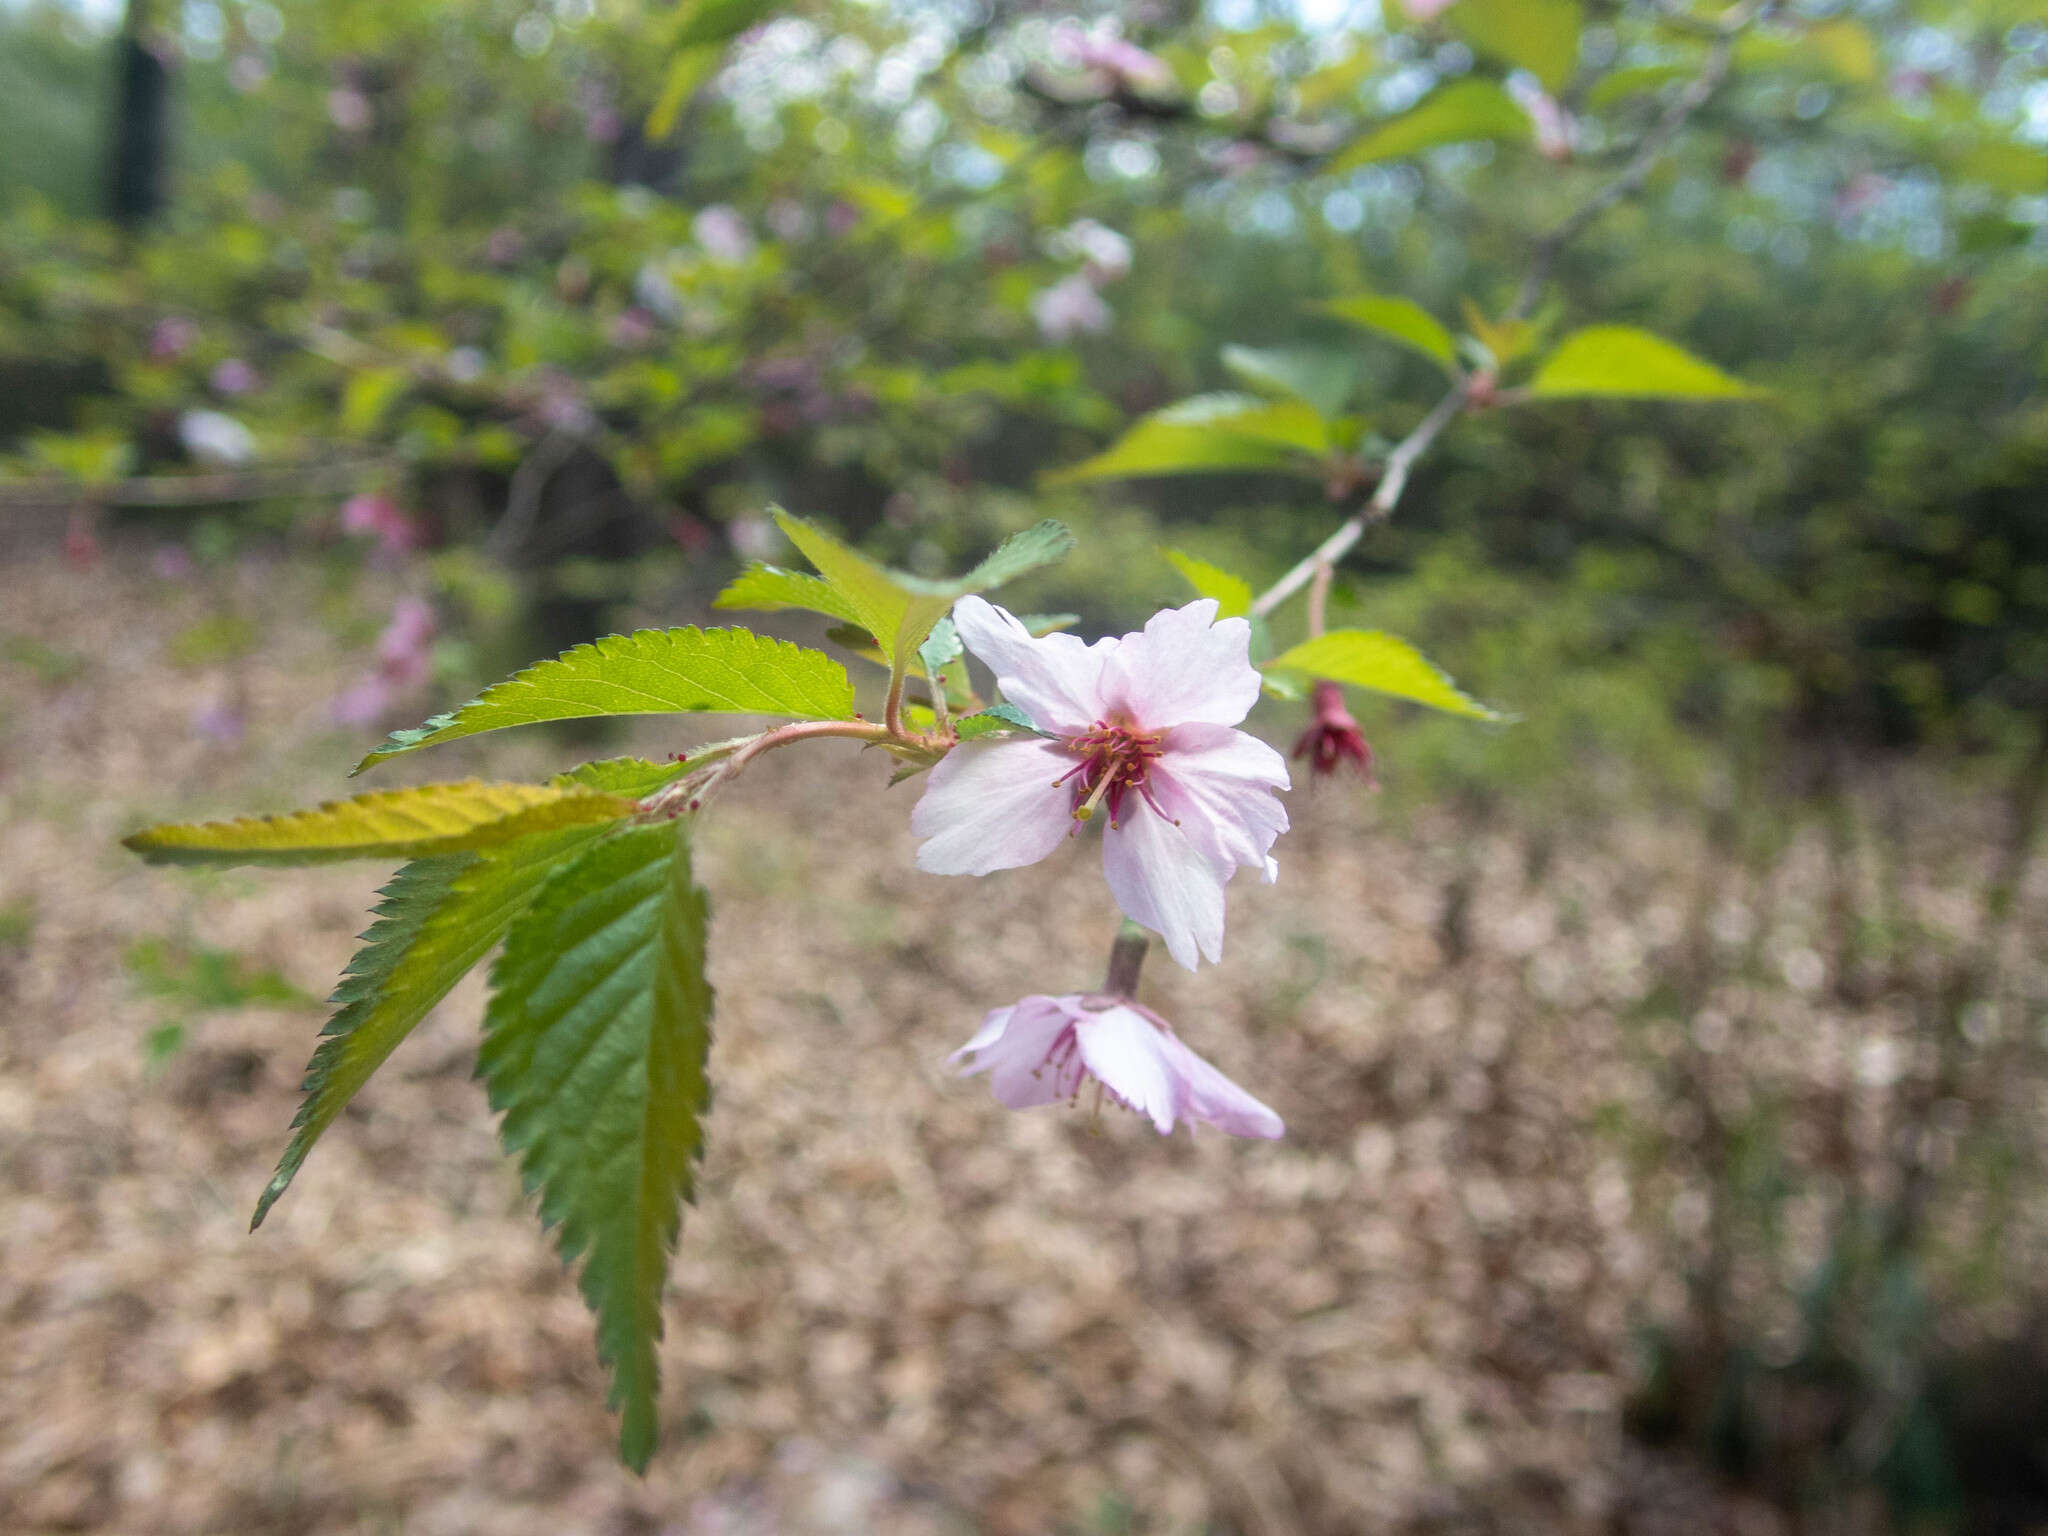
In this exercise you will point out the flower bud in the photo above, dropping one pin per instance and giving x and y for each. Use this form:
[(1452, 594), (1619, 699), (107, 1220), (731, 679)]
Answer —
[(1333, 737)]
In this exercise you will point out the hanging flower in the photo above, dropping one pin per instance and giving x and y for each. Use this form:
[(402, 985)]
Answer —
[(1333, 737), (1139, 727), (1045, 1049)]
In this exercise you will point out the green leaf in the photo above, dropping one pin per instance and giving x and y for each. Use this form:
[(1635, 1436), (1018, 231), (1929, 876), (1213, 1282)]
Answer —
[(1401, 320), (385, 824), (1619, 360), (1208, 434), (1636, 78), (941, 647), (769, 588), (997, 717), (1367, 658), (1041, 544), (651, 671), (1320, 378), (899, 610), (1451, 114), (1541, 36), (632, 778), (594, 1051), (1233, 594), (438, 918)]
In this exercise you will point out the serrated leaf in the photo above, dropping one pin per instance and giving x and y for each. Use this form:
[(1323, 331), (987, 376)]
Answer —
[(437, 919), (1541, 36), (651, 671), (1619, 360), (594, 1052), (1318, 377), (385, 824), (632, 778), (899, 610), (1233, 594), (1210, 434), (997, 717), (1399, 319), (1451, 114), (941, 647), (769, 588), (1385, 663)]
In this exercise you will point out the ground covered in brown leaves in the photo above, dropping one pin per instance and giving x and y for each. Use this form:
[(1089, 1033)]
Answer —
[(898, 1307)]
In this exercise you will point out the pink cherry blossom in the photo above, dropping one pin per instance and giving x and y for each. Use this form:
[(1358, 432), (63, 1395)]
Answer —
[(1070, 307), (1045, 1049), (1140, 726)]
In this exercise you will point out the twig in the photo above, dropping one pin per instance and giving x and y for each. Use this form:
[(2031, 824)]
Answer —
[(197, 490), (1649, 150), (529, 481), (1393, 480)]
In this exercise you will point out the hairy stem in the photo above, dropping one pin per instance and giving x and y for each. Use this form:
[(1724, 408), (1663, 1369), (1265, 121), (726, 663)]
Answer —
[(1126, 960)]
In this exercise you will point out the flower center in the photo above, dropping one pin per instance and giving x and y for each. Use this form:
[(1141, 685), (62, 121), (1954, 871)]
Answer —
[(1116, 760)]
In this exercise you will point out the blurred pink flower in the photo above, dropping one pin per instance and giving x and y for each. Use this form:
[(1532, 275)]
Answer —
[(1552, 124), (1142, 725), (171, 562), (362, 703), (219, 723), (723, 234), (1120, 63), (349, 109), (1045, 1049), (1069, 308), (1105, 254), (170, 337), (233, 377), (370, 515), (402, 650)]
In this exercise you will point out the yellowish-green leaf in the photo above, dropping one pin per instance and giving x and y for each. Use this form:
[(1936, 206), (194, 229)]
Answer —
[(385, 824), (1210, 434), (1621, 361), (1634, 80), (649, 672), (1366, 658), (1452, 114), (1233, 594), (899, 610), (439, 916), (769, 588), (1319, 377), (367, 396), (1541, 36), (1399, 319), (1505, 340)]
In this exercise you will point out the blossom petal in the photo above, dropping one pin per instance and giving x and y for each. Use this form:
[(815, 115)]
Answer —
[(1205, 1094), (1020, 1071), (992, 807), (1183, 666), (1122, 1049), (1056, 679), (1218, 784), (1160, 879), (992, 1026)]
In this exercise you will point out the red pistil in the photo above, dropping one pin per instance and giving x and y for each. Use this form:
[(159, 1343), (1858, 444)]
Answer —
[(1115, 761)]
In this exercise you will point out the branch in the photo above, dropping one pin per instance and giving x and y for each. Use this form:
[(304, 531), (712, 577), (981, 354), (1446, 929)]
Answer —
[(198, 490), (1649, 150), (1393, 480)]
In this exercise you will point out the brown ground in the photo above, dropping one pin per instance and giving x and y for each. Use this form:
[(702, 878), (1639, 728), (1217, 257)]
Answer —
[(898, 1307)]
